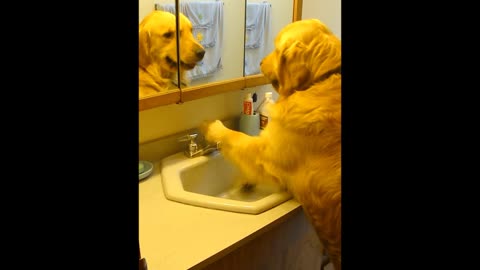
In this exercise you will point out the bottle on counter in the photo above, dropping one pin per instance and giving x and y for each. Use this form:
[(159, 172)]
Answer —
[(248, 104), (264, 109)]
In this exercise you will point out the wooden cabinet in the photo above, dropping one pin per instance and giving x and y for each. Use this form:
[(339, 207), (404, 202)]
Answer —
[(290, 245)]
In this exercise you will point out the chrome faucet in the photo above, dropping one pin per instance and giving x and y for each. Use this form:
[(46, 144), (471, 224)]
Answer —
[(193, 149)]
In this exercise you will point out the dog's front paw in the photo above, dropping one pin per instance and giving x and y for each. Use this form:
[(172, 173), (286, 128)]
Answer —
[(213, 130), (247, 187)]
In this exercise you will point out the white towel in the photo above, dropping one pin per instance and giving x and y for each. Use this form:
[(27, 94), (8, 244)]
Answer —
[(252, 61), (165, 7), (257, 24), (205, 20), (257, 35), (207, 23), (252, 15)]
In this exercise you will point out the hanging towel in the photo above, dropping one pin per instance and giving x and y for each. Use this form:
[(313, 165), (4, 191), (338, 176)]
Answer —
[(165, 7), (257, 22), (205, 18), (257, 26), (207, 24), (253, 57)]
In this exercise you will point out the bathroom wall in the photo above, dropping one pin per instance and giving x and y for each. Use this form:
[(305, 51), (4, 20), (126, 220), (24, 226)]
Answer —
[(327, 11), (167, 120), (146, 6)]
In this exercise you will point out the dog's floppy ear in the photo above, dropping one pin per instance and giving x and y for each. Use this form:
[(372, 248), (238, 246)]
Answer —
[(326, 56), (143, 47), (293, 74)]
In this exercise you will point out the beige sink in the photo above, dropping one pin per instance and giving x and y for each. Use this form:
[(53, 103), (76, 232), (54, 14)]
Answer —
[(209, 181)]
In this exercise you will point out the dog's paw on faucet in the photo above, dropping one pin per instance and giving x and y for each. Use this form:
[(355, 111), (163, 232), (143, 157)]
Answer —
[(212, 130)]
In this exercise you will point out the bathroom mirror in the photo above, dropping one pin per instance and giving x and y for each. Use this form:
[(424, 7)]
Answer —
[(248, 28)]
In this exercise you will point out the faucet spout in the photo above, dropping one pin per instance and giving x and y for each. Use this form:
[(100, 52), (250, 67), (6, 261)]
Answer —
[(210, 149)]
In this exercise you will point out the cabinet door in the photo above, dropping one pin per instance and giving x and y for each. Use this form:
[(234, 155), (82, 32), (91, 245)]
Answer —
[(290, 245)]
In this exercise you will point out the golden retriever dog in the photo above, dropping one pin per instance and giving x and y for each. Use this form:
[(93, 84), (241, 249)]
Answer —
[(300, 147), (157, 52)]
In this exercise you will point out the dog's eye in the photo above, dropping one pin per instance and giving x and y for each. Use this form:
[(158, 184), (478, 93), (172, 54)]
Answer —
[(168, 35)]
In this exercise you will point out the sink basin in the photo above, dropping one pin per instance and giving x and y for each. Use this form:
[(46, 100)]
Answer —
[(210, 181)]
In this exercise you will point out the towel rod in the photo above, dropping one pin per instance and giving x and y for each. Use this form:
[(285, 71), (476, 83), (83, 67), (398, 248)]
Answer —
[(158, 6)]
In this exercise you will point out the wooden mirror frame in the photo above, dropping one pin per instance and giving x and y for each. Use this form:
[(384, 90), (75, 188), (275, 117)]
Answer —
[(214, 88)]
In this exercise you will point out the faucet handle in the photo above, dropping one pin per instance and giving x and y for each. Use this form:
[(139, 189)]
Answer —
[(192, 145), (188, 137)]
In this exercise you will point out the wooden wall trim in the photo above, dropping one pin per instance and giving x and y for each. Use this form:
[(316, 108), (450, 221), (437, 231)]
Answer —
[(206, 90), (150, 102), (256, 80), (297, 10)]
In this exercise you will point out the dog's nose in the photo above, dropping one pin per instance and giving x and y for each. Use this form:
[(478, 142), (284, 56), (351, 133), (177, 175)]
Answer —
[(200, 53)]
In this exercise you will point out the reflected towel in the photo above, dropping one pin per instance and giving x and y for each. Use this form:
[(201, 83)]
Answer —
[(207, 24), (257, 36), (206, 17), (253, 57), (165, 7), (257, 24)]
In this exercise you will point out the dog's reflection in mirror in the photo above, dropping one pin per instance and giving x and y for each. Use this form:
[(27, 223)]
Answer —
[(158, 63)]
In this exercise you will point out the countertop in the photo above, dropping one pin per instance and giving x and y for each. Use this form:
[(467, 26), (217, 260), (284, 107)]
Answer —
[(176, 236)]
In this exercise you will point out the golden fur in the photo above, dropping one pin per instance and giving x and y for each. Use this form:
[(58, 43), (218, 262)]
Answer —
[(300, 147), (157, 52)]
